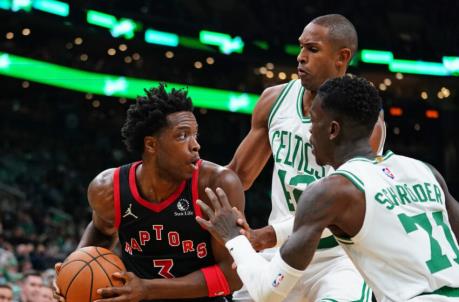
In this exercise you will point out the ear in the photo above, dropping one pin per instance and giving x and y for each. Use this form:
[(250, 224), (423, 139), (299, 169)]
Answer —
[(344, 56), (334, 130), (149, 144)]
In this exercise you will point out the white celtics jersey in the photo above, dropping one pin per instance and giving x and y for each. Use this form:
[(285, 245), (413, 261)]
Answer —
[(405, 248), (294, 165)]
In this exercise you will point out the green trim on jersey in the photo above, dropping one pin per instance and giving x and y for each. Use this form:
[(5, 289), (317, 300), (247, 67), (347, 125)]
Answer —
[(366, 294), (279, 101), (327, 242), (377, 160), (364, 297), (299, 107), (444, 291), (354, 179)]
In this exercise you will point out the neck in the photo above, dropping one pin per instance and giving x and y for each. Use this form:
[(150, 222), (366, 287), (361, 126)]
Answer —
[(153, 184), (308, 96), (347, 151)]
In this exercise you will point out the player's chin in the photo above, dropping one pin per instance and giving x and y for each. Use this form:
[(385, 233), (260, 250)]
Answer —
[(188, 171)]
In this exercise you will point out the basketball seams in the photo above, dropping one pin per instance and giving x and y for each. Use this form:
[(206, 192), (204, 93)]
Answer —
[(91, 256), (95, 259), (100, 255), (108, 260), (77, 274)]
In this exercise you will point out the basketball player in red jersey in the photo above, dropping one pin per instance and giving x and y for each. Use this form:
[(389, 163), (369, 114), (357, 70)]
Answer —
[(150, 207)]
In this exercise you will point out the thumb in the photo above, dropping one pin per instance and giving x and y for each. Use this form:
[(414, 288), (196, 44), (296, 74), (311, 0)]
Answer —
[(57, 267), (234, 265)]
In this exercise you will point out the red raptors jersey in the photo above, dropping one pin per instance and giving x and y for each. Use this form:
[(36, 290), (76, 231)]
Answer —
[(160, 240)]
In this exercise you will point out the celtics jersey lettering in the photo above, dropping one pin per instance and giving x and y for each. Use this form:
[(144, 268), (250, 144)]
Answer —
[(294, 165), (406, 247)]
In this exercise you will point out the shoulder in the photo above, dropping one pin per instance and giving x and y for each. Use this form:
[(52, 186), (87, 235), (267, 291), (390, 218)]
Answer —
[(214, 175), (266, 102), (100, 189), (328, 196)]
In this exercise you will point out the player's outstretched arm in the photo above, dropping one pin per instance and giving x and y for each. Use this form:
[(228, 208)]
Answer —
[(318, 208), (254, 151), (216, 280)]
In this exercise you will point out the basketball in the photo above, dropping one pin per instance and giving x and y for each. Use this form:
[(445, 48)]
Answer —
[(86, 270)]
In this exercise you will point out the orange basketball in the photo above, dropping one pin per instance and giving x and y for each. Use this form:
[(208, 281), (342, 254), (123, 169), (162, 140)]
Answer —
[(86, 270)]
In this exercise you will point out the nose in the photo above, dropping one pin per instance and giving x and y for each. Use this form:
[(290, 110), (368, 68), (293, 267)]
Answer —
[(195, 146), (302, 57)]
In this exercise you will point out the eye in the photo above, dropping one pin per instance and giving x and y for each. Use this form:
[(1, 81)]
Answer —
[(313, 49), (182, 135)]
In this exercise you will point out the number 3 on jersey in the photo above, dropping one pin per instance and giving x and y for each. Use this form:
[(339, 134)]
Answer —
[(438, 260), (294, 181), (165, 266)]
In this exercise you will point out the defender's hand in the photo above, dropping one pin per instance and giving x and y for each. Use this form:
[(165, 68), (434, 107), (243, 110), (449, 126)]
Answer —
[(259, 238), (222, 223)]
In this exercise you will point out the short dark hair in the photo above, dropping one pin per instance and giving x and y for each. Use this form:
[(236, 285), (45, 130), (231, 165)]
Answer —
[(29, 273), (7, 286), (353, 99), (148, 115), (341, 32)]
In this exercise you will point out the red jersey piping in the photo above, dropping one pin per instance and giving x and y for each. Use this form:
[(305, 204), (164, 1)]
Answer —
[(195, 189), (155, 207), (116, 197)]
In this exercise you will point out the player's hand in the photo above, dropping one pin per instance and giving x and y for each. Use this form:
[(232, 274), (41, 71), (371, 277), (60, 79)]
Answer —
[(56, 290), (259, 238), (132, 290), (222, 223)]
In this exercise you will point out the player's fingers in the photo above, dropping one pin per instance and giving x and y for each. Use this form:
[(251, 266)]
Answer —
[(58, 298), (239, 213), (206, 209), (122, 276), (57, 292), (115, 299), (244, 225), (204, 223), (223, 198), (213, 199), (57, 267), (110, 292), (234, 265)]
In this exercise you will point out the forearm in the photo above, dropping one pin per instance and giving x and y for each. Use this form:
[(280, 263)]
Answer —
[(93, 237), (192, 285), (265, 281)]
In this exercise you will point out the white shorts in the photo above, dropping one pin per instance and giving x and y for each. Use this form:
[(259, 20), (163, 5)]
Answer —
[(330, 277)]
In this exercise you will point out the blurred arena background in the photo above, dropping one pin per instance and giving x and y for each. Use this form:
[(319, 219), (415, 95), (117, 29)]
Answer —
[(61, 126)]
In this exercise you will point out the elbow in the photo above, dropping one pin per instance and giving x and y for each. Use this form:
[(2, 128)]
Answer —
[(236, 285)]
